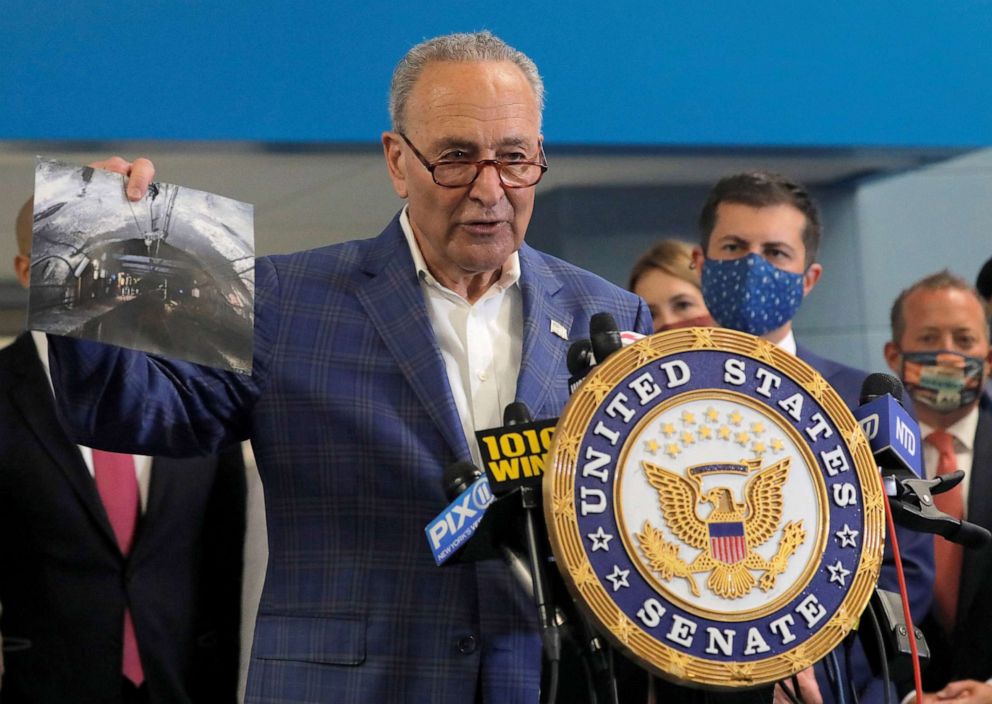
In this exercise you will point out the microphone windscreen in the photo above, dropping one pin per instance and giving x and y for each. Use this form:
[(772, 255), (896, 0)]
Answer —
[(602, 323), (516, 413), (579, 357), (458, 476), (878, 384), (605, 336)]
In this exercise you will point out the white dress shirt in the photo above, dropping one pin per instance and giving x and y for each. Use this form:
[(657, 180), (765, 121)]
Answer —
[(481, 343), (963, 433)]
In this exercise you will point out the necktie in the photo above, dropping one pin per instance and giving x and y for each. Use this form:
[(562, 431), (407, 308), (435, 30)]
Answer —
[(118, 488), (947, 555)]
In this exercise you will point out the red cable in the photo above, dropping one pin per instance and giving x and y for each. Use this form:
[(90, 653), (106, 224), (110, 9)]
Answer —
[(917, 678)]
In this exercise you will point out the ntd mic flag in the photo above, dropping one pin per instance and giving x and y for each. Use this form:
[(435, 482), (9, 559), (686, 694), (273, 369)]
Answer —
[(456, 524), (892, 433)]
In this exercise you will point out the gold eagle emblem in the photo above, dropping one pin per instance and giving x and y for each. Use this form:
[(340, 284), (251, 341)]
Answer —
[(728, 536)]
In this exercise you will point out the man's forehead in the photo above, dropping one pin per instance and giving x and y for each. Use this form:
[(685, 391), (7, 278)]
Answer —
[(448, 92), (781, 222), (943, 309), (951, 305)]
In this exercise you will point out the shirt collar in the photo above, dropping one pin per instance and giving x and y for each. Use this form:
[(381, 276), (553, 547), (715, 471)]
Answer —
[(509, 276), (788, 343), (963, 431)]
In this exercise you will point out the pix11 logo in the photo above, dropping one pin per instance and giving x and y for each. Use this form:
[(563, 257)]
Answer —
[(715, 508)]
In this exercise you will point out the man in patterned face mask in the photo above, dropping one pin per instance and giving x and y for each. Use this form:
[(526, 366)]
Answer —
[(940, 348), (759, 233)]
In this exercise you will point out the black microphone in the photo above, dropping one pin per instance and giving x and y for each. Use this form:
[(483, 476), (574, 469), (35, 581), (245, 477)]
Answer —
[(516, 413), (894, 437), (604, 336), (459, 476), (878, 384), (580, 362), (893, 434), (580, 359)]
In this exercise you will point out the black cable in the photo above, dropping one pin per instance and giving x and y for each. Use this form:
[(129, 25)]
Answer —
[(848, 645), (833, 675), (797, 689), (552, 682), (611, 678), (590, 682), (788, 692), (886, 678)]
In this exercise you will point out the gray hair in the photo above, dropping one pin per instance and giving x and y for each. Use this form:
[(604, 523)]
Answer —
[(463, 47)]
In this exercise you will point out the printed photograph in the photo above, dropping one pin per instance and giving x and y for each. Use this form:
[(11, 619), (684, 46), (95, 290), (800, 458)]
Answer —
[(172, 274)]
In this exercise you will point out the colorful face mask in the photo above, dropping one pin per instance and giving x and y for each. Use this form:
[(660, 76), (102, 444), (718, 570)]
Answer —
[(749, 294), (942, 380), (700, 321)]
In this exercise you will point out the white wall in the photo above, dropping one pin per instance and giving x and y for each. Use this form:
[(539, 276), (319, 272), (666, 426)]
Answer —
[(890, 233)]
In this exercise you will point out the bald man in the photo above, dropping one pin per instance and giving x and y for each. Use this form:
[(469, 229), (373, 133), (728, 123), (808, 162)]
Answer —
[(119, 574)]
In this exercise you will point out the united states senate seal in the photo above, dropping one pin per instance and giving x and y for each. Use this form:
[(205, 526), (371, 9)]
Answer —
[(714, 508)]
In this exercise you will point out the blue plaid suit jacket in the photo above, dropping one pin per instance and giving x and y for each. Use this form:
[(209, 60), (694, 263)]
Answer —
[(352, 423)]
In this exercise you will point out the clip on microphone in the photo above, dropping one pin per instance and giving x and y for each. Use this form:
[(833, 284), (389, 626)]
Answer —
[(914, 508), (911, 501)]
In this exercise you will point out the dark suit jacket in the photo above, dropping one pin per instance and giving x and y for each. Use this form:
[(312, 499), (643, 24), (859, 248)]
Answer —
[(967, 654), (352, 422), (64, 582), (916, 549)]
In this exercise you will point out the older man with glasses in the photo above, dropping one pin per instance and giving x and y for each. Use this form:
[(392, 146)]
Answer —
[(374, 363)]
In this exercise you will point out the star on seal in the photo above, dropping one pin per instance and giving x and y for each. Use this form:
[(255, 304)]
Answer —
[(837, 572), (847, 537), (618, 578), (600, 540)]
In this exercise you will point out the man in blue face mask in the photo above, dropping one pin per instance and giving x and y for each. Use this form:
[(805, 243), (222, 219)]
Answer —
[(759, 233), (940, 349)]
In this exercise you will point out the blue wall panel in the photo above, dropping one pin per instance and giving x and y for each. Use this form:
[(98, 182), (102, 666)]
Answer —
[(842, 73)]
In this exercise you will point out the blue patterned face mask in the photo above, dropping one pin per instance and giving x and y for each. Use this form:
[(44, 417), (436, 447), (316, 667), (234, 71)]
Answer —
[(749, 294)]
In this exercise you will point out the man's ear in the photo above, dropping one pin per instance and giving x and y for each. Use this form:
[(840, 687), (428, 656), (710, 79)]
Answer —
[(392, 149), (810, 277), (893, 357), (697, 259), (22, 266)]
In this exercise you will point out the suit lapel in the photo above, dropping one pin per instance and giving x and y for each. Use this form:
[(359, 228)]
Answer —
[(394, 302), (978, 563), (32, 396), (543, 355)]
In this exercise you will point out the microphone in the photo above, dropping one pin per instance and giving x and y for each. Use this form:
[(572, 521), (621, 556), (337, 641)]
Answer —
[(516, 413), (460, 519), (604, 336), (604, 339), (446, 536), (894, 438), (893, 434), (513, 454)]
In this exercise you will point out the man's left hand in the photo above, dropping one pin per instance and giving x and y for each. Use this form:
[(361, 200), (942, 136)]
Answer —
[(809, 689), (961, 692)]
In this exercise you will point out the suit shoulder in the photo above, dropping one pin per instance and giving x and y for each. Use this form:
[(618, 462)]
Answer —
[(18, 355), (344, 257), (579, 280), (846, 380)]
